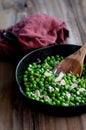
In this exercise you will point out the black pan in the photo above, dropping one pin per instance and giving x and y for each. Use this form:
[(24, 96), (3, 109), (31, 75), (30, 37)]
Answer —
[(62, 49)]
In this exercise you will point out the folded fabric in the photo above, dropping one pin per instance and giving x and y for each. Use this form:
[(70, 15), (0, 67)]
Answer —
[(33, 32)]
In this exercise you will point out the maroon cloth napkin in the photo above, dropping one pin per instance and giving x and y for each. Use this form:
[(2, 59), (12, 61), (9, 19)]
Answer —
[(33, 32)]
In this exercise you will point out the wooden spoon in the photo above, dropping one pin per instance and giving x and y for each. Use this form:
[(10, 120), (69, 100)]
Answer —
[(73, 63)]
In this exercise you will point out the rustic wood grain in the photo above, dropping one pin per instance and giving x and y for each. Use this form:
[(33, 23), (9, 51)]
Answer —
[(14, 114)]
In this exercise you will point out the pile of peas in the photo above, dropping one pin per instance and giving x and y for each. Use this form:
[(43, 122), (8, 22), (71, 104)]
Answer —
[(43, 88)]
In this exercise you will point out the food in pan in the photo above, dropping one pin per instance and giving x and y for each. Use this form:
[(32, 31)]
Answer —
[(56, 89)]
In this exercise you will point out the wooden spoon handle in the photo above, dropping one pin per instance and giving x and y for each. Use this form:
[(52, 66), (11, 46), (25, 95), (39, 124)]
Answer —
[(80, 54), (83, 49)]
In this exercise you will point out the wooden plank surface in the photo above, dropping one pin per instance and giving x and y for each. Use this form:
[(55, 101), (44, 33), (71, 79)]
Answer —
[(14, 115)]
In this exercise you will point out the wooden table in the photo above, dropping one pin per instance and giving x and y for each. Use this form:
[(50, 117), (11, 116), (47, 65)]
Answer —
[(14, 115)]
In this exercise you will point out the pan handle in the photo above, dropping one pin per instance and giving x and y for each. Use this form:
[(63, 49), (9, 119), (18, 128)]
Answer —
[(11, 38)]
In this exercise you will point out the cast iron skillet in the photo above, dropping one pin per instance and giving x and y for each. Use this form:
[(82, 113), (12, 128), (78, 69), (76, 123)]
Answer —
[(62, 49)]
